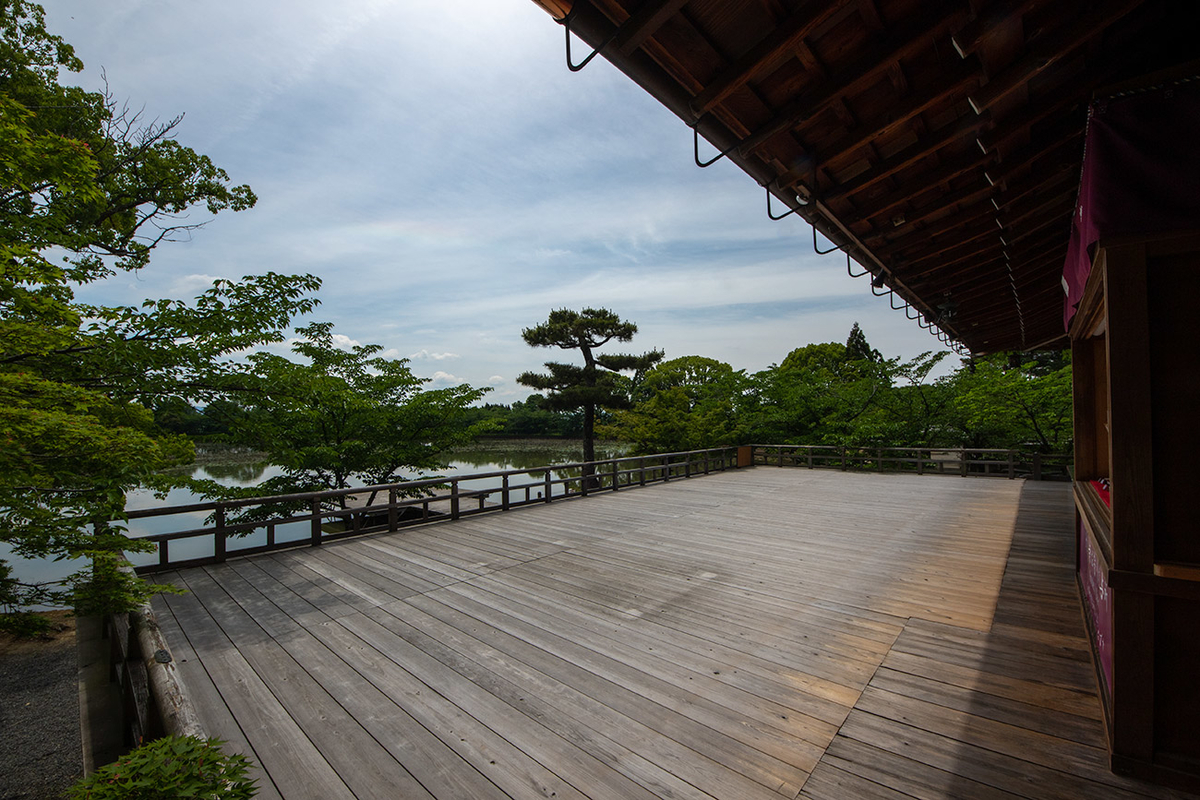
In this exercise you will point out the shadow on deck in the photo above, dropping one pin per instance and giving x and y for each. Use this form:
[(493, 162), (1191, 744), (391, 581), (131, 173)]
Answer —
[(763, 633)]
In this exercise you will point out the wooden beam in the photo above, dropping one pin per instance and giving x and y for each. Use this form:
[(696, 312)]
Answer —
[(1012, 238), (555, 8), (1023, 158), (1063, 202), (1048, 50), (931, 180), (966, 196), (642, 24), (1028, 116), (898, 45), (923, 237), (969, 233), (777, 46), (909, 156), (949, 84), (971, 246), (1018, 192), (966, 40)]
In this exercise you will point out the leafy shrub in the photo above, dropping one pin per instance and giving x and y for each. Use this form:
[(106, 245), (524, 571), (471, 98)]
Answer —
[(171, 768)]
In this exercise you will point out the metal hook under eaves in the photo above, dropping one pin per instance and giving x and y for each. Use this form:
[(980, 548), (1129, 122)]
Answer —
[(696, 149), (850, 272), (566, 23), (818, 250), (790, 211)]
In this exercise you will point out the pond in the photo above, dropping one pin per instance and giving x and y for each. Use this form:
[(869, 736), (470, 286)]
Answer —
[(234, 468)]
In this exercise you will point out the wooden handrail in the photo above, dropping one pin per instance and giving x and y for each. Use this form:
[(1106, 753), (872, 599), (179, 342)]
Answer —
[(965, 461), (396, 498), (395, 506)]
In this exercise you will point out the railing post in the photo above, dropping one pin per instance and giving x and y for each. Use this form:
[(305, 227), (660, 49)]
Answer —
[(453, 499), (315, 533), (642, 471), (393, 512), (549, 486), (1037, 466), (1012, 467), (920, 462), (219, 534), (879, 458), (504, 494), (808, 456), (666, 468), (843, 458), (707, 453), (962, 457), (615, 475)]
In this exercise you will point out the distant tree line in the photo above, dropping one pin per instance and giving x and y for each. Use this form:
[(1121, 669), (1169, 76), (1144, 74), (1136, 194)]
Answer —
[(220, 419), (851, 394)]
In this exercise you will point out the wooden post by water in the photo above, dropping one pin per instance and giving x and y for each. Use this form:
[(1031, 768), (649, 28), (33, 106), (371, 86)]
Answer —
[(219, 534), (315, 533)]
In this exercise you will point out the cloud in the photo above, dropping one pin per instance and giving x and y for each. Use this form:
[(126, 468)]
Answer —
[(343, 342), (425, 355), (188, 286), (448, 213), (440, 380)]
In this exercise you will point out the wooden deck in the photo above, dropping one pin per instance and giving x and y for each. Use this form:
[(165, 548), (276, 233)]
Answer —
[(762, 633)]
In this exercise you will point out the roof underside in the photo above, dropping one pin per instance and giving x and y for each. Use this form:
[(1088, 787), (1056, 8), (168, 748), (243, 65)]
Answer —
[(938, 143)]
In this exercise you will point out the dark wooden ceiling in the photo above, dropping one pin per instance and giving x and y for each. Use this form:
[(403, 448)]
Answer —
[(938, 143)]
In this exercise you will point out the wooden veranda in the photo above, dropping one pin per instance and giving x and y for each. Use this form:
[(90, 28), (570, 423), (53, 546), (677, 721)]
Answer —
[(757, 633)]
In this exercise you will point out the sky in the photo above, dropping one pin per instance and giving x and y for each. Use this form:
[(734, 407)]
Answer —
[(451, 182)]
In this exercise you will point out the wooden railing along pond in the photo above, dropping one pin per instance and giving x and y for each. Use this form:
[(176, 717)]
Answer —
[(965, 461), (241, 527)]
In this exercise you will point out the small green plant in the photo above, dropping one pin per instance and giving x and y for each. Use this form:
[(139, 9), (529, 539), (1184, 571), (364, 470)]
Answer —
[(25, 625), (171, 768)]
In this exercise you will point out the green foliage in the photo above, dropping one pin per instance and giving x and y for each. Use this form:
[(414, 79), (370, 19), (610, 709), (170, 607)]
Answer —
[(835, 394), (1028, 405), (857, 348), (528, 418), (686, 403), (14, 621), (86, 191), (345, 417), (820, 394), (171, 768), (598, 383)]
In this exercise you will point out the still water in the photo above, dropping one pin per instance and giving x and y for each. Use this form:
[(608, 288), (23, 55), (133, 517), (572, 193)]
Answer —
[(486, 456)]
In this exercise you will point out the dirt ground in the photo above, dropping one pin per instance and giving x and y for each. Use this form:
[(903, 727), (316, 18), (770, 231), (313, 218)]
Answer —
[(40, 750)]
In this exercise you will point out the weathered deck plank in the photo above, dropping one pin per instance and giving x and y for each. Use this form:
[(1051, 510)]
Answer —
[(764, 633)]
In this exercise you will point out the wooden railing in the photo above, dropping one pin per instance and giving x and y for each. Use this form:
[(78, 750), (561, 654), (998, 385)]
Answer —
[(918, 460), (254, 525)]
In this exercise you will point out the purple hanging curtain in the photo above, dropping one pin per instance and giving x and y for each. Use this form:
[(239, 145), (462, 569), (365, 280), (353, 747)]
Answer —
[(1141, 174)]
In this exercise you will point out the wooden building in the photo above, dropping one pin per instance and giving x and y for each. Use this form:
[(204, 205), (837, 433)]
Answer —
[(1014, 175)]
